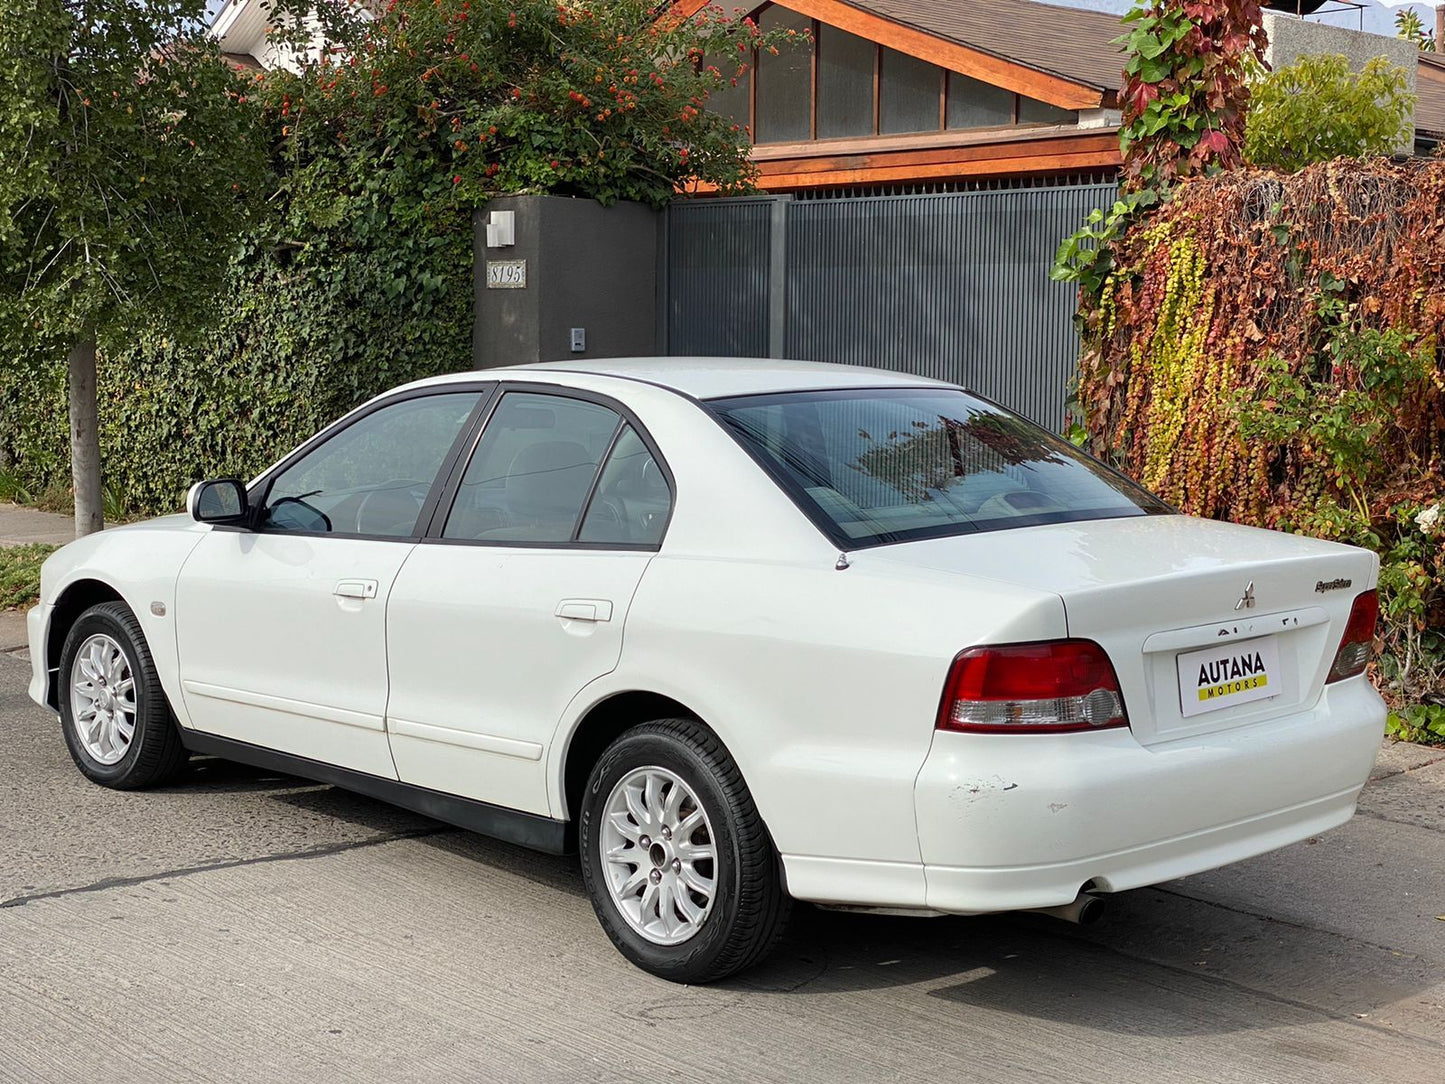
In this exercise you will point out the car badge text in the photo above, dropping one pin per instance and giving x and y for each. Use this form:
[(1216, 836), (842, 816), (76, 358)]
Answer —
[(1246, 600), (1332, 585)]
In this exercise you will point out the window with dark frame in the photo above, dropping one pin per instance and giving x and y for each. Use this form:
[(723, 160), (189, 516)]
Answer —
[(782, 79), (976, 104), (371, 478), (845, 83), (554, 470), (856, 88)]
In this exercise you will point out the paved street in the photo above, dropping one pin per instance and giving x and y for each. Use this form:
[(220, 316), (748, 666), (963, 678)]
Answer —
[(245, 926)]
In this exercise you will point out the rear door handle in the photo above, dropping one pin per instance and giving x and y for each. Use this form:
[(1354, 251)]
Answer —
[(584, 609), (355, 589)]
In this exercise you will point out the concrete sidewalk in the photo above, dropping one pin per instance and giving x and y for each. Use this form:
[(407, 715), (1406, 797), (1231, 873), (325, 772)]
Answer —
[(23, 526)]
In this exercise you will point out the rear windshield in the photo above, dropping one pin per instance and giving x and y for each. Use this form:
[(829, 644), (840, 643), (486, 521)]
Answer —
[(892, 465)]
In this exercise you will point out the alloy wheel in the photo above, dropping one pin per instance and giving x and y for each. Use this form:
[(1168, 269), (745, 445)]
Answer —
[(658, 855), (102, 699)]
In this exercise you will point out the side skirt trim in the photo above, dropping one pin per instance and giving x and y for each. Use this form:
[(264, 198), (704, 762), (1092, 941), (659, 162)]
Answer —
[(510, 825)]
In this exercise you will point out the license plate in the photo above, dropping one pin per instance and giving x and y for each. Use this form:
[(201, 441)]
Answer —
[(1221, 677)]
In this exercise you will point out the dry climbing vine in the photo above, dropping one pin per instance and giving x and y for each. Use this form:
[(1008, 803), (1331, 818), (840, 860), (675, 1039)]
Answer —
[(1268, 350), (1185, 91), (1265, 347)]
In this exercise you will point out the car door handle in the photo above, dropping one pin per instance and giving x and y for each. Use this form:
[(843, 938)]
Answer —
[(584, 609), (355, 589)]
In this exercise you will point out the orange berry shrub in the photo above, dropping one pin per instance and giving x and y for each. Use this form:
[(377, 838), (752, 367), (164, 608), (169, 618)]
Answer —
[(1267, 349), (454, 102)]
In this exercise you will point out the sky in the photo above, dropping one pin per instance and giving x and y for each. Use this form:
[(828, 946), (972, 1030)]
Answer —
[(1379, 15)]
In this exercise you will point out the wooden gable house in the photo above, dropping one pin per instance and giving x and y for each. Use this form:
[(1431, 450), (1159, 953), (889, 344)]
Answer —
[(906, 92)]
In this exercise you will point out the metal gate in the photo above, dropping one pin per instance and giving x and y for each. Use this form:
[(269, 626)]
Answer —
[(953, 285)]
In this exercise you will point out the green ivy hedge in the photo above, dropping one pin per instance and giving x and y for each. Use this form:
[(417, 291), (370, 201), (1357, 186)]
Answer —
[(303, 336)]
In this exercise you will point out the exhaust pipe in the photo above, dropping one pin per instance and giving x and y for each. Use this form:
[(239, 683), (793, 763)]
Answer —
[(1086, 909)]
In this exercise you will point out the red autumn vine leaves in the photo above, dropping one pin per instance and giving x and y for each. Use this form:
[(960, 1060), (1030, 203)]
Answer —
[(1186, 87)]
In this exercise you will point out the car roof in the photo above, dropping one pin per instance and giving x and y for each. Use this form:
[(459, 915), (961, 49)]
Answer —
[(714, 378)]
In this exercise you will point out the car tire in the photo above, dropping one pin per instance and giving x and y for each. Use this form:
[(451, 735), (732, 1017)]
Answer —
[(668, 907), (106, 650)]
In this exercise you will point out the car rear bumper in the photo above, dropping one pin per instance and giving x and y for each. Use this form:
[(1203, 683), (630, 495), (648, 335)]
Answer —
[(1007, 822), (1011, 821), (973, 890)]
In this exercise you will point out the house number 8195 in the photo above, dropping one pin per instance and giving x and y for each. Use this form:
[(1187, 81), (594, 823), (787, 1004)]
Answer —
[(506, 274)]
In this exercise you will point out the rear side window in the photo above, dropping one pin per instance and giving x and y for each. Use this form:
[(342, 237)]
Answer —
[(533, 470), (892, 465), (632, 501)]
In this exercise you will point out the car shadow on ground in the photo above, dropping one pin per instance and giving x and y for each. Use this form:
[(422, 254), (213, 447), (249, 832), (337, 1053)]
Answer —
[(212, 775), (1012, 963), (1135, 973), (1123, 976)]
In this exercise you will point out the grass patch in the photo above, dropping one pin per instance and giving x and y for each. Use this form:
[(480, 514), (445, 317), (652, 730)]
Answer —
[(20, 574), (11, 488), (50, 499)]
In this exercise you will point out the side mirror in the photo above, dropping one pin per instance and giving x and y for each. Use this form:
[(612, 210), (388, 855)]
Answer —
[(220, 500)]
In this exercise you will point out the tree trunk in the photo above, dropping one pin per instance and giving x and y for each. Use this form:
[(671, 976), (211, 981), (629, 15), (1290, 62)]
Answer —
[(85, 441)]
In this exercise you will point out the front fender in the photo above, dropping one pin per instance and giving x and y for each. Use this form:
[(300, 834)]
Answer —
[(140, 563)]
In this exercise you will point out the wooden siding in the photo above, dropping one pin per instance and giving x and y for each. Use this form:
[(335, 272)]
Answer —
[(789, 167)]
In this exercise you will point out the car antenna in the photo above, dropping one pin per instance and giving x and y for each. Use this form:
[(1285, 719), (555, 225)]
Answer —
[(843, 562)]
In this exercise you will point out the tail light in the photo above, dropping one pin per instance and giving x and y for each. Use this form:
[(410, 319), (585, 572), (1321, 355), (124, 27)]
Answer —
[(1358, 640), (1052, 687)]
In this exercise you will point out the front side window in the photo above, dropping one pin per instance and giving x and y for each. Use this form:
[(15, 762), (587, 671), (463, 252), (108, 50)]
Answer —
[(893, 465), (533, 470), (373, 477)]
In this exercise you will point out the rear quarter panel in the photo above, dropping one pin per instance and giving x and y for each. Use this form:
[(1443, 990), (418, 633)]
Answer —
[(823, 684)]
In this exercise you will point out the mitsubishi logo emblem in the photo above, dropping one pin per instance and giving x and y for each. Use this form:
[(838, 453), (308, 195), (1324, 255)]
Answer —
[(1246, 600)]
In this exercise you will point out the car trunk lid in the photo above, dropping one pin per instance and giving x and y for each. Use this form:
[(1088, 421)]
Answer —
[(1209, 625)]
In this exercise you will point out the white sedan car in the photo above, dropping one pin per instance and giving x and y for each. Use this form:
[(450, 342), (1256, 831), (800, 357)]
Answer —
[(741, 632)]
